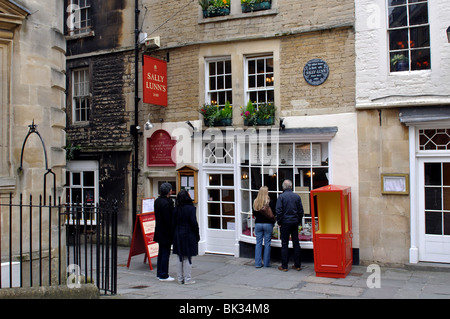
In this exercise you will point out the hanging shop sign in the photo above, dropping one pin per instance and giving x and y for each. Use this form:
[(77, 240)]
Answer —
[(316, 72), (154, 72), (159, 149)]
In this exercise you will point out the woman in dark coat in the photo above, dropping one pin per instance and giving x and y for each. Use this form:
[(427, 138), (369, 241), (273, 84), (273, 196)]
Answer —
[(186, 236)]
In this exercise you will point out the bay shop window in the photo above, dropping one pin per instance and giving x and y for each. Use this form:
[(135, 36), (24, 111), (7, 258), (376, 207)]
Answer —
[(306, 164), (234, 171)]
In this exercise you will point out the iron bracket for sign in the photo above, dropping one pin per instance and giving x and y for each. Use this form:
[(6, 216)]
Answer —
[(33, 130)]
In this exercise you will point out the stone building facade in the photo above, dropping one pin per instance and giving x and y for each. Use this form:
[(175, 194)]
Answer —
[(33, 66), (100, 106), (32, 94), (318, 121), (403, 129)]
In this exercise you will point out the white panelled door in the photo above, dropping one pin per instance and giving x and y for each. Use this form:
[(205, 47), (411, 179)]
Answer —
[(434, 209)]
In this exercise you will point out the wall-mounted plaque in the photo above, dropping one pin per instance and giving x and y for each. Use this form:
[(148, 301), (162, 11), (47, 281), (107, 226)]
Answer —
[(159, 149), (316, 71)]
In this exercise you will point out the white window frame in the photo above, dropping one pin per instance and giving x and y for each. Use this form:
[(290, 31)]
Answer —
[(79, 14), (81, 96), (228, 91), (79, 167), (269, 78), (408, 27)]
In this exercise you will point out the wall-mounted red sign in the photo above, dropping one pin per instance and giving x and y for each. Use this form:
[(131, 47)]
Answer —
[(154, 72), (159, 149)]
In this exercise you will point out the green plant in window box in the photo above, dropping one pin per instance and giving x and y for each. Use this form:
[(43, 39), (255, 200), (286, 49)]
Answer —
[(213, 115), (255, 5), (214, 8), (225, 116), (263, 115), (399, 62)]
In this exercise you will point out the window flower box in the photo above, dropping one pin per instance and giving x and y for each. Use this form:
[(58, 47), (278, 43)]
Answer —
[(213, 115), (255, 5), (263, 115), (215, 8)]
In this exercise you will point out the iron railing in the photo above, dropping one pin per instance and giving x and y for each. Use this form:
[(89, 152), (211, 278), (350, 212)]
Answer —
[(45, 244)]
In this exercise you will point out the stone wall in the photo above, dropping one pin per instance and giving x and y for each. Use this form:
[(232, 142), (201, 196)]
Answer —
[(384, 219), (337, 93)]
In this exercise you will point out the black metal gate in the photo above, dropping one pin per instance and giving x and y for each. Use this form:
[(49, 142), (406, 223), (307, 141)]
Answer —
[(58, 244)]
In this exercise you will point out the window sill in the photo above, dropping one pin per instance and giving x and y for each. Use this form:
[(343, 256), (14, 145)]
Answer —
[(236, 16), (80, 36), (406, 73)]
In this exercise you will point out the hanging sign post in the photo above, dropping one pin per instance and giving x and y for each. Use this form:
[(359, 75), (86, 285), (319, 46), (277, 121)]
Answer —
[(144, 231)]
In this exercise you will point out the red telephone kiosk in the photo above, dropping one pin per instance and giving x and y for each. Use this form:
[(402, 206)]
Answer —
[(332, 230)]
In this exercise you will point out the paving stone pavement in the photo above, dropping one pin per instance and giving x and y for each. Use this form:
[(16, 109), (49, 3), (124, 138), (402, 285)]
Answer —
[(227, 277)]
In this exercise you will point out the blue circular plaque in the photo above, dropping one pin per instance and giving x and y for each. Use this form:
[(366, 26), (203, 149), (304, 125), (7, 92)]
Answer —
[(316, 72)]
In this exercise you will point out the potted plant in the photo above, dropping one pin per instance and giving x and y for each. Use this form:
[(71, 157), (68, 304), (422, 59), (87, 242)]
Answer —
[(400, 62), (213, 115), (263, 115), (214, 8), (225, 115), (255, 5), (249, 114)]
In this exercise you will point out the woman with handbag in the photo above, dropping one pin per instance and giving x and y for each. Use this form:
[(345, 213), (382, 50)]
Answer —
[(264, 221)]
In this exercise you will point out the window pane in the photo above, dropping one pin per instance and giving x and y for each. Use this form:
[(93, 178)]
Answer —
[(89, 196), (76, 195), (252, 81), (420, 37), (227, 180), (212, 68), (88, 178), (261, 81), (228, 67), (418, 14), (214, 222), (260, 66), (214, 195), (446, 175), (214, 180), (446, 223), (251, 67), (420, 59), (228, 82), (76, 179), (433, 223), (220, 83), (397, 17), (222, 98), (402, 65), (228, 195), (433, 174), (433, 198), (212, 83), (398, 39)]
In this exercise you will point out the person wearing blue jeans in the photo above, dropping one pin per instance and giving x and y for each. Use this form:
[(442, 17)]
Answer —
[(289, 214), (263, 227)]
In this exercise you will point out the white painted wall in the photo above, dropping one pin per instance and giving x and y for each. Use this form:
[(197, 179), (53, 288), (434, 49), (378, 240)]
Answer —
[(376, 87)]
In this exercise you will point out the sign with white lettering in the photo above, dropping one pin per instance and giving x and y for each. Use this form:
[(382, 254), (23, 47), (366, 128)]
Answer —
[(154, 73), (316, 72), (160, 148)]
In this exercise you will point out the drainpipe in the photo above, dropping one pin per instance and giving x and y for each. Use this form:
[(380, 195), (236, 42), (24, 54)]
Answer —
[(135, 169)]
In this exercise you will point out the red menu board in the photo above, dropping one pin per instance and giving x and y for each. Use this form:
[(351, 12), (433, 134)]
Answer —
[(144, 231)]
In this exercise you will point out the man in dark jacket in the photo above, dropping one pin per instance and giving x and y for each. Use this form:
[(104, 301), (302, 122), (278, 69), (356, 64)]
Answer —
[(289, 214), (163, 231)]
